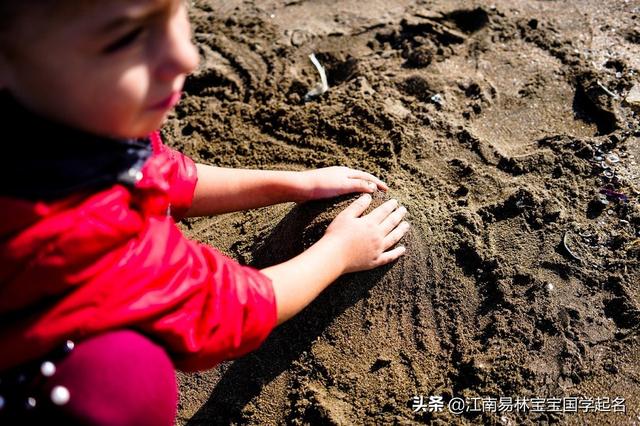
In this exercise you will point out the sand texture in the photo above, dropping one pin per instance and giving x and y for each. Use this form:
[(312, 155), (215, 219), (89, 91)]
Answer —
[(509, 129)]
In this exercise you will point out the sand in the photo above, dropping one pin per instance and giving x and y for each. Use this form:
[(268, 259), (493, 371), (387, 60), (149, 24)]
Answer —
[(503, 127)]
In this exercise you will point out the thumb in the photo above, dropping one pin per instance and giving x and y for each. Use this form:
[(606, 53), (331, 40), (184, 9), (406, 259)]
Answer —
[(358, 207)]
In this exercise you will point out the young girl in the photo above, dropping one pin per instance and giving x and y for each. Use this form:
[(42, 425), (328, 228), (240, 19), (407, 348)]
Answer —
[(90, 256)]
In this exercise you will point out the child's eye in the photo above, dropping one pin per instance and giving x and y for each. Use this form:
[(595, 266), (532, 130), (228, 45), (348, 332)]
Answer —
[(124, 41)]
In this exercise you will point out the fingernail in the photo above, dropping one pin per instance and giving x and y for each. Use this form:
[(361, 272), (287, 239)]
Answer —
[(366, 197), (372, 185)]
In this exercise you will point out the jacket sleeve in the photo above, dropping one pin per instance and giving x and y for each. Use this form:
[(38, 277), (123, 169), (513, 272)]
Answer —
[(116, 269), (182, 178), (203, 306)]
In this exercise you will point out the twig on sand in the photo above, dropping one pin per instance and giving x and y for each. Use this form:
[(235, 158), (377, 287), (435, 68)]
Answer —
[(607, 91), (322, 85)]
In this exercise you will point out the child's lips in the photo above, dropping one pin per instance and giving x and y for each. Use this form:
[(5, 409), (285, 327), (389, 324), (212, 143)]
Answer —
[(169, 102)]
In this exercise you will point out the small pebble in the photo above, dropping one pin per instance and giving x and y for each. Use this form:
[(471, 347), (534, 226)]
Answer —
[(633, 97), (549, 287)]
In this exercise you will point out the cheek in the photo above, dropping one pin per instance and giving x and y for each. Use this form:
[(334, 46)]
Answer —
[(130, 103), (110, 102), (122, 99), (131, 89)]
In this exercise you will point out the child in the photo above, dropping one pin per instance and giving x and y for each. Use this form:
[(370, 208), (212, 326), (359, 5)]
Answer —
[(89, 249)]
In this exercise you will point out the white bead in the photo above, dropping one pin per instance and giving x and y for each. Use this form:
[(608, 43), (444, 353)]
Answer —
[(60, 395), (139, 176), (48, 369), (31, 402)]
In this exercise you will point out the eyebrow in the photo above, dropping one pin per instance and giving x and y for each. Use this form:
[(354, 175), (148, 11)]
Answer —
[(142, 14), (123, 21)]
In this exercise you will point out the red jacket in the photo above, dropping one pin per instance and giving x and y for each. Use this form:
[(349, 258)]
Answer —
[(91, 262)]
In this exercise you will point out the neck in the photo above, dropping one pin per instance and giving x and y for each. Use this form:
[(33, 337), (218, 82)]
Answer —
[(45, 160)]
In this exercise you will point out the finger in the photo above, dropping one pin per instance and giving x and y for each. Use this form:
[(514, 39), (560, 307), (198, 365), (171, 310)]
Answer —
[(391, 255), (358, 174), (394, 236), (361, 185), (381, 212), (393, 219), (358, 207)]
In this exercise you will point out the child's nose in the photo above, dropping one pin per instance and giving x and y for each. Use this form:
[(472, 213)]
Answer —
[(179, 55)]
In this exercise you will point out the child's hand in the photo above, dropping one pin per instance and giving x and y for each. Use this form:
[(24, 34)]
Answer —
[(333, 181), (351, 243), (364, 240)]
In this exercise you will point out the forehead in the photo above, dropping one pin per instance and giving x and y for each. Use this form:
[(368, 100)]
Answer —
[(56, 23), (99, 11), (83, 13), (67, 20)]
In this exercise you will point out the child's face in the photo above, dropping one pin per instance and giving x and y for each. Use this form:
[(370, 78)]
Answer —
[(112, 67)]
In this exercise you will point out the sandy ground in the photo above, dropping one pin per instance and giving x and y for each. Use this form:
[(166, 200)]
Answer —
[(507, 129)]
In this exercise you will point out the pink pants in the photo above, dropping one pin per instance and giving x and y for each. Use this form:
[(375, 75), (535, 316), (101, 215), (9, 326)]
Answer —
[(117, 378)]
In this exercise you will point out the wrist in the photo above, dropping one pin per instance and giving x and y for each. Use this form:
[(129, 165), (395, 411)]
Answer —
[(302, 187), (335, 251), (286, 186)]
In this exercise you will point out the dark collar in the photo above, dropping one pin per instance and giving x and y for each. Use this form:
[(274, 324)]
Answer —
[(44, 160)]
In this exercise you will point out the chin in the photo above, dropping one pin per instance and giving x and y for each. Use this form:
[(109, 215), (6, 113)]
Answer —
[(144, 129)]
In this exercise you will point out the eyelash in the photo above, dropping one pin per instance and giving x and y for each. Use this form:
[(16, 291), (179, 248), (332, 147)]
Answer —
[(124, 41)]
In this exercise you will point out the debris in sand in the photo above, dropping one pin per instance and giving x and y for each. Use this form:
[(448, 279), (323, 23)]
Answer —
[(602, 199), (610, 193), (437, 99), (566, 247), (299, 37), (611, 158), (607, 91), (322, 85)]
